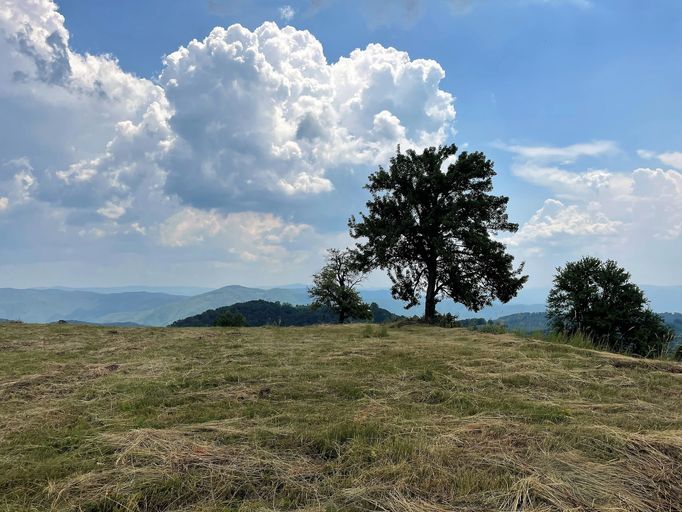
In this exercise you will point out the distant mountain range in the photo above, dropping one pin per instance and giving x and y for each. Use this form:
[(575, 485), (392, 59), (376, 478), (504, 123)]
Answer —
[(170, 290), (45, 306), (149, 306), (534, 322)]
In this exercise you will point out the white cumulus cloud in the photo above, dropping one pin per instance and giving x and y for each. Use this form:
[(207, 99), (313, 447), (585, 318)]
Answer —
[(601, 212), (241, 130), (252, 236), (558, 223), (262, 112)]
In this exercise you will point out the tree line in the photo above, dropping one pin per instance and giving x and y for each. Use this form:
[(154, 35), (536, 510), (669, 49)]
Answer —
[(434, 228)]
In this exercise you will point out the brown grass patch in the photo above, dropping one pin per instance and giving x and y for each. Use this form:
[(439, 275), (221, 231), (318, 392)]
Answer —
[(323, 419)]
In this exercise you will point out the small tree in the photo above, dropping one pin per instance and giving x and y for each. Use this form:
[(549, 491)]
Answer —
[(433, 230), (596, 298), (334, 287)]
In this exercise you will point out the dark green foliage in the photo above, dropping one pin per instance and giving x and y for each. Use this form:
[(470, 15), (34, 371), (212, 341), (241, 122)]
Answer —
[(447, 320), (230, 319), (261, 312), (471, 322), (334, 287), (597, 299), (674, 320), (432, 230)]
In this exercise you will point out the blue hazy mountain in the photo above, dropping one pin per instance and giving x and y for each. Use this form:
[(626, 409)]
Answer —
[(225, 296), (142, 306), (32, 305), (170, 290)]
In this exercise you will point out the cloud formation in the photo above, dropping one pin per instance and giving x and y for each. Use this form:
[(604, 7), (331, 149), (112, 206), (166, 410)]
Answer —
[(564, 155), (286, 12), (219, 152), (597, 211), (557, 221), (669, 158), (262, 113)]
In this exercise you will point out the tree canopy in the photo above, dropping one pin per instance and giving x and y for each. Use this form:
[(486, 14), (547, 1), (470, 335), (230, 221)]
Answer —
[(596, 298), (334, 287), (433, 230)]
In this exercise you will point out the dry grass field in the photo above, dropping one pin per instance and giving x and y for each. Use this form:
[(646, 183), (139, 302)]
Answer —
[(331, 418)]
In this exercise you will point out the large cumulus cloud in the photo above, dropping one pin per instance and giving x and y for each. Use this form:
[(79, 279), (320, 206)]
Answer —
[(239, 150), (263, 112), (259, 120), (58, 105)]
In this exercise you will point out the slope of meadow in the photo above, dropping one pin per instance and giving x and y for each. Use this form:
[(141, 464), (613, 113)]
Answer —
[(331, 418)]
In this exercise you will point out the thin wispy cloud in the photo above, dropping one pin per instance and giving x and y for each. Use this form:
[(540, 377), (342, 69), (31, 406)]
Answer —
[(565, 154), (286, 12)]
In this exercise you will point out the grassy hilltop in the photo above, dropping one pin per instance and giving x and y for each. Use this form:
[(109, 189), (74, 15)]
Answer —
[(331, 418)]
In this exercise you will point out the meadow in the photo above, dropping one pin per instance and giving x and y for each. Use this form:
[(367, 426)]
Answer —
[(331, 418)]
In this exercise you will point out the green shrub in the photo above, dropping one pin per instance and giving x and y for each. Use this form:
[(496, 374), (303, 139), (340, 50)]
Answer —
[(230, 319), (595, 298), (447, 320)]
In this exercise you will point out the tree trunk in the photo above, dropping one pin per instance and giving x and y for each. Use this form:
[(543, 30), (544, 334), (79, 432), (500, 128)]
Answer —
[(342, 317), (430, 302)]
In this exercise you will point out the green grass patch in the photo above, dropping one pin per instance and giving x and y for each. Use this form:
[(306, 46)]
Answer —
[(331, 418)]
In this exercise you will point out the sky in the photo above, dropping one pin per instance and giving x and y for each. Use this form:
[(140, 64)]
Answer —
[(215, 142)]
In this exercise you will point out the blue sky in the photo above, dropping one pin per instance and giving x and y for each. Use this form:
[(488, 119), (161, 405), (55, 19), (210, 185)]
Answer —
[(577, 101)]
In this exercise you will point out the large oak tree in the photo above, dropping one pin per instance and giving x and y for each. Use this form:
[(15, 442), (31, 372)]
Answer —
[(433, 229)]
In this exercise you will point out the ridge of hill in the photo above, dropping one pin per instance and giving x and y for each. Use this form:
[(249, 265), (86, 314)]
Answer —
[(331, 418), (225, 296), (182, 291), (153, 308), (537, 322), (260, 312), (45, 306)]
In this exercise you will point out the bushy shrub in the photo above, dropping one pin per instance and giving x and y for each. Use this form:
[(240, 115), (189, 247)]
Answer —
[(230, 319), (490, 328), (447, 320), (596, 299)]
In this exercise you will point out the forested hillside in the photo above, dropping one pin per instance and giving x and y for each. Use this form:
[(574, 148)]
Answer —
[(261, 312)]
